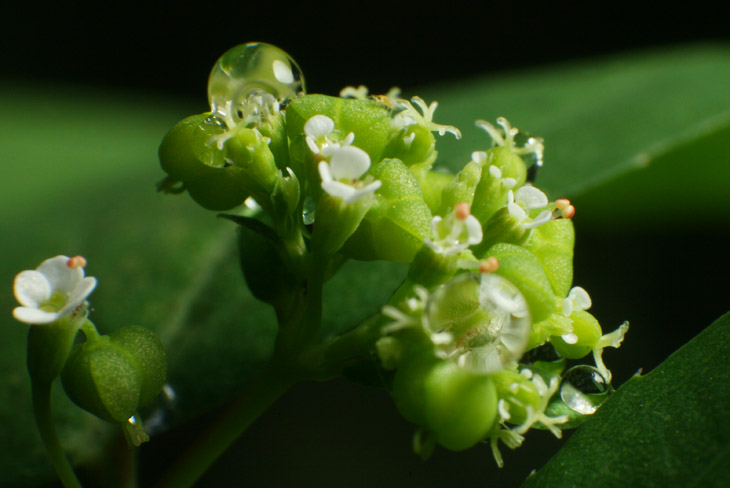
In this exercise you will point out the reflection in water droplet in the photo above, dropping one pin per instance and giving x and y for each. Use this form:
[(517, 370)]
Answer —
[(161, 416), (249, 68), (309, 208), (583, 389)]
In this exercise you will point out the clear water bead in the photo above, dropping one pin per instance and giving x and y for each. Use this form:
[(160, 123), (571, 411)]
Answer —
[(584, 389), (249, 68)]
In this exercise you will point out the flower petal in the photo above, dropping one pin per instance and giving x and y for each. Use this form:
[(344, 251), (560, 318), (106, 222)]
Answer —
[(531, 197), (79, 294), (33, 315), (324, 172), (361, 192), (319, 125), (349, 162), (338, 189), (59, 275), (31, 288)]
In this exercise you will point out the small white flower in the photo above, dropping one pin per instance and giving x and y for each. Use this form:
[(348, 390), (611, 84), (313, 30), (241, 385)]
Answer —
[(506, 139), (408, 115), (318, 131), (612, 339), (256, 108), (456, 232), (340, 174), (525, 199), (577, 299), (54, 289), (359, 93)]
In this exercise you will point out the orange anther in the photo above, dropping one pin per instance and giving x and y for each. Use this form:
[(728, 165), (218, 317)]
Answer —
[(462, 210), (562, 203), (76, 262), (489, 265), (568, 212)]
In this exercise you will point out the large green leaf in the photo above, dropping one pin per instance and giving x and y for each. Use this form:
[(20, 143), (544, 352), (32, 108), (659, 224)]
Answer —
[(78, 178), (667, 428)]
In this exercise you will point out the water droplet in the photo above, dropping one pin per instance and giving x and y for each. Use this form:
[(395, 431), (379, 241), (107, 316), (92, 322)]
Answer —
[(584, 389), (308, 211), (249, 68), (161, 417)]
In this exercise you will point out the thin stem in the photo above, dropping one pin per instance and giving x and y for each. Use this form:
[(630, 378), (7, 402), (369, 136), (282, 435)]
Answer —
[(42, 410), (246, 408)]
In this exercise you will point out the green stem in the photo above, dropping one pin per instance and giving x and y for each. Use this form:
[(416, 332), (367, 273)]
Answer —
[(246, 408), (42, 410)]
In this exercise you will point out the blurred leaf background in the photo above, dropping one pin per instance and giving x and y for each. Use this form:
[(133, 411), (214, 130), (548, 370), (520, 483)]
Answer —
[(636, 117)]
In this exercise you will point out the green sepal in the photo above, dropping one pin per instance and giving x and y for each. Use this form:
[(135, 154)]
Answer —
[(553, 244), (274, 128), (490, 194), (460, 188), (150, 359), (285, 195), (501, 227), (398, 221), (49, 347), (523, 269), (433, 185), (409, 385), (263, 267), (418, 151), (101, 377), (188, 155), (588, 331), (430, 269), (555, 325), (248, 150)]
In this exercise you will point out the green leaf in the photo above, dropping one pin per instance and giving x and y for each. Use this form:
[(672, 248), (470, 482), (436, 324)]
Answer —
[(668, 428), (600, 119)]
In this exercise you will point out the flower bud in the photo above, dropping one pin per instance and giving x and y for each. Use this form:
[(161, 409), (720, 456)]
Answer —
[(187, 155), (502, 170), (585, 336), (553, 243), (524, 270), (399, 220), (414, 145)]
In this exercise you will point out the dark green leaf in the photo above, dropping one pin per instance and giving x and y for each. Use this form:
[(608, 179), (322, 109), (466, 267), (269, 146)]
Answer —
[(668, 428)]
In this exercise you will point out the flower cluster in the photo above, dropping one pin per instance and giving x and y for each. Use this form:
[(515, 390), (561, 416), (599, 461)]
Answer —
[(490, 277)]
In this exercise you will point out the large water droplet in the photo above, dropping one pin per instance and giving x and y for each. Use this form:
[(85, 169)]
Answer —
[(249, 68), (584, 389)]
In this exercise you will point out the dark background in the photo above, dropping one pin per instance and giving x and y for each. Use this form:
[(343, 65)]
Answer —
[(330, 434), (169, 47)]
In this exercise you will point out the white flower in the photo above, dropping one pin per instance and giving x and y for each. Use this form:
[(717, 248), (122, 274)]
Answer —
[(528, 198), (318, 130), (54, 289), (340, 174), (578, 299), (408, 115), (506, 139), (456, 232)]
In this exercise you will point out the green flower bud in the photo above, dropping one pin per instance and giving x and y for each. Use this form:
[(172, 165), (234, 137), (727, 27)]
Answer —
[(399, 220), (523, 269), (249, 151), (585, 336), (461, 187), (414, 145), (336, 221), (187, 155), (502, 170), (433, 185), (111, 376), (501, 227)]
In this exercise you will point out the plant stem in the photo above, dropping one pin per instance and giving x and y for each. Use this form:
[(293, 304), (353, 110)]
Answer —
[(246, 408), (42, 409)]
